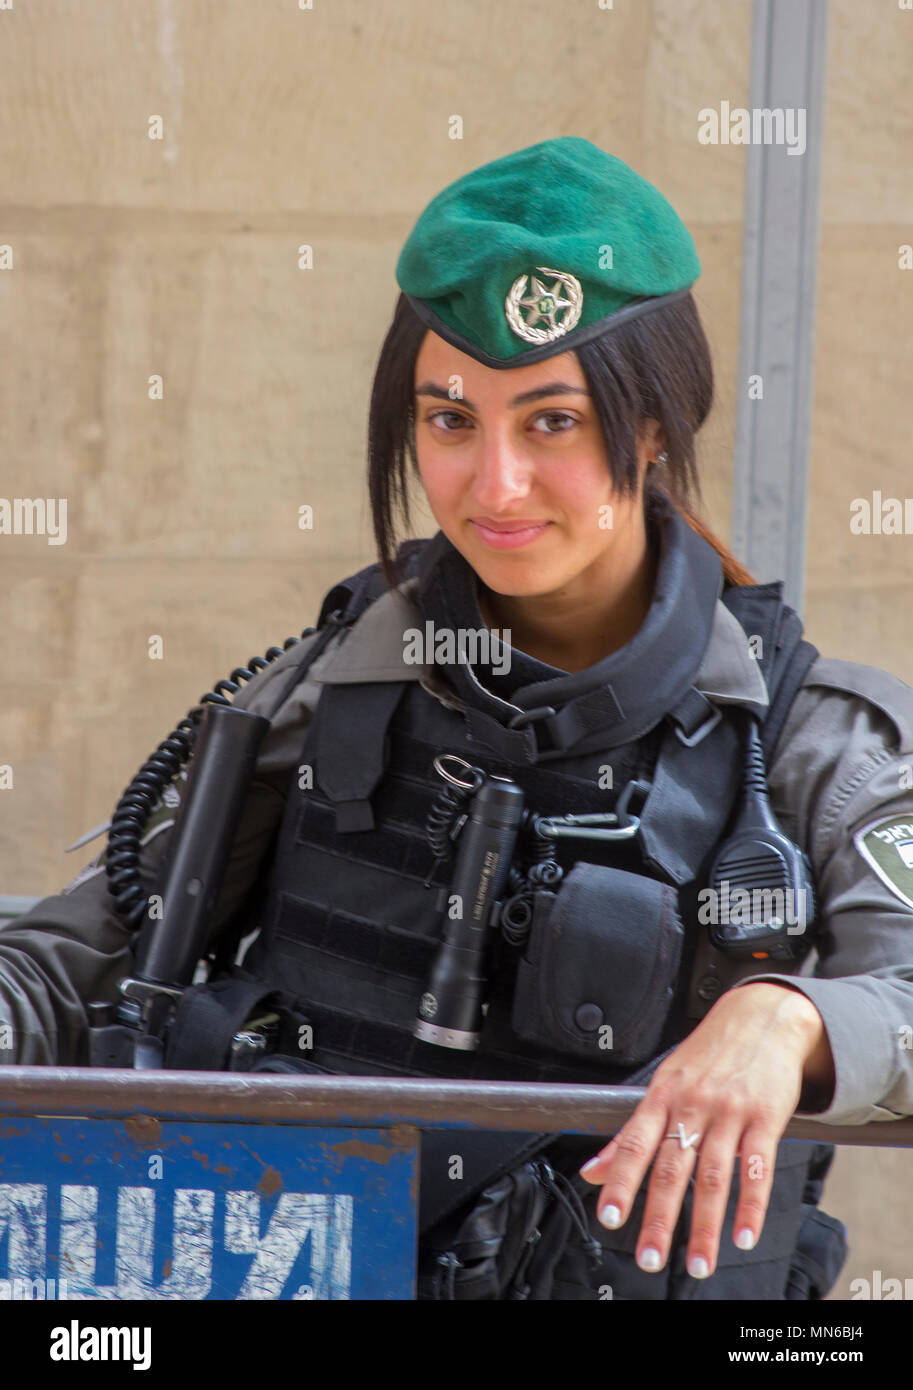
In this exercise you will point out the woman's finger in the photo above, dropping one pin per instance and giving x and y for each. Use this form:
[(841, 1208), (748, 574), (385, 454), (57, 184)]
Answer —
[(757, 1159), (712, 1183), (622, 1166), (673, 1165)]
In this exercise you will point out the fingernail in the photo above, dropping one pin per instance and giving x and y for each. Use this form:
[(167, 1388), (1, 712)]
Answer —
[(650, 1259), (593, 1162), (745, 1239), (698, 1267), (610, 1216)]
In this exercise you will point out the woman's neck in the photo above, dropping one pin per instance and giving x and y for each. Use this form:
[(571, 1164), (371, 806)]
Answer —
[(584, 622)]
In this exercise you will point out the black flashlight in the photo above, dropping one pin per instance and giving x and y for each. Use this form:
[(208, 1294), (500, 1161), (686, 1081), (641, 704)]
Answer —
[(450, 1011)]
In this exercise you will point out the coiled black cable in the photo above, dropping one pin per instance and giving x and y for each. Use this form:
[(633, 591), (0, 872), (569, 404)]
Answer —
[(143, 793), (545, 872), (444, 820)]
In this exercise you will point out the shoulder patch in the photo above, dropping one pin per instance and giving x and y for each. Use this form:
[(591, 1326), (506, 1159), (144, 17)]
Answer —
[(887, 847)]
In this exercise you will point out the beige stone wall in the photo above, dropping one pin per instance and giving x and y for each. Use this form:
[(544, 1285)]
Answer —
[(859, 586), (178, 257)]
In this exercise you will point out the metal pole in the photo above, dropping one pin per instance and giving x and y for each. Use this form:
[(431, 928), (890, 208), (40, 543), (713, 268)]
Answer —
[(779, 260), (347, 1101)]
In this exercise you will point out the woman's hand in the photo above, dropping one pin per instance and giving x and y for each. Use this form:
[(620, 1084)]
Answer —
[(731, 1087)]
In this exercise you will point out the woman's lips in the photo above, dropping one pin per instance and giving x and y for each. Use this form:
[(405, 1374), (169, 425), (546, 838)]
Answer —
[(512, 539)]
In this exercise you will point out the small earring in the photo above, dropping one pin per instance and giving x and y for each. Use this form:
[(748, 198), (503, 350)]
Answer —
[(662, 459)]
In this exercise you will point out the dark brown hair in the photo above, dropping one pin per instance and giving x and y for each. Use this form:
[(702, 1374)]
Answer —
[(655, 367)]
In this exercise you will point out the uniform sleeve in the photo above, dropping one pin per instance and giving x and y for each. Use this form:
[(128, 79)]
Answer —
[(841, 787), (73, 948)]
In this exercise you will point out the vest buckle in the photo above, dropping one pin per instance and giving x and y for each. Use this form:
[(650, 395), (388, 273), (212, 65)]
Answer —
[(525, 717), (639, 790)]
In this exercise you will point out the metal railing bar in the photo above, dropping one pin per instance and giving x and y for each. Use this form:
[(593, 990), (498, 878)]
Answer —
[(366, 1102)]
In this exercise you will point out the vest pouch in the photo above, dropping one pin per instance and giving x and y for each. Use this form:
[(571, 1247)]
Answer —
[(509, 1244), (599, 973), (492, 1243)]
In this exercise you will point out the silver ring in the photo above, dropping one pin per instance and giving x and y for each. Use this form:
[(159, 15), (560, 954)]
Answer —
[(685, 1142)]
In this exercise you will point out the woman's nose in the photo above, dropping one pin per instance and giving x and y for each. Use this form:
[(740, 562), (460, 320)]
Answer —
[(502, 476)]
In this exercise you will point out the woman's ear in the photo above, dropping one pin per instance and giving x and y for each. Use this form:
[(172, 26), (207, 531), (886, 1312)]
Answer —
[(651, 440)]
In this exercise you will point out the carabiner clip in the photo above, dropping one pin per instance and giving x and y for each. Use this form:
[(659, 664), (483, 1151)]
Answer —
[(554, 826)]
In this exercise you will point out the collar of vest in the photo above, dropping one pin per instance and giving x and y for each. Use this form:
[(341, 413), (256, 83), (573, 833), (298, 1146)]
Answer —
[(689, 651)]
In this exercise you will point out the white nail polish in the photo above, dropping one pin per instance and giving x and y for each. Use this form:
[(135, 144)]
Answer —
[(698, 1267), (610, 1216), (591, 1163), (650, 1259), (745, 1239)]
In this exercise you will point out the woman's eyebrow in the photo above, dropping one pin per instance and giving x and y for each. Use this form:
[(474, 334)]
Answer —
[(553, 388)]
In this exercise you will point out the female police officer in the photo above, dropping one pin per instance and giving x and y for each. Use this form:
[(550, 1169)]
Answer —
[(547, 372)]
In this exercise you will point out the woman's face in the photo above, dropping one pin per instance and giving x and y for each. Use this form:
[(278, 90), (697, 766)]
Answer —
[(514, 466)]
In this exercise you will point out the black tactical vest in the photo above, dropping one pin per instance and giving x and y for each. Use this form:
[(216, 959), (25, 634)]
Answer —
[(355, 899), (352, 918)]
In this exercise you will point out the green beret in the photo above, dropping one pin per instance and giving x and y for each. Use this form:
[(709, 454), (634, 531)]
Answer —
[(542, 250)]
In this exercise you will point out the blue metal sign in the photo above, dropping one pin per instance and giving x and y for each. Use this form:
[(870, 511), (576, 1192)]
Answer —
[(143, 1208)]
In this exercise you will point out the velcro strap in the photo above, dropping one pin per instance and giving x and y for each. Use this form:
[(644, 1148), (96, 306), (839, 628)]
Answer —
[(601, 709), (350, 728), (207, 1018)]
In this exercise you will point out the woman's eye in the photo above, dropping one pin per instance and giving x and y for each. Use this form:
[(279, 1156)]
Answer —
[(568, 421), (439, 416)]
